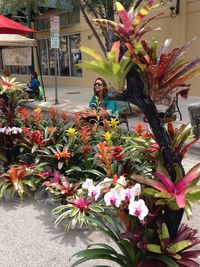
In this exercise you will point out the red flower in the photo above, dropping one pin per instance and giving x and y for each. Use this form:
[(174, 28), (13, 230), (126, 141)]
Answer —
[(36, 137), (154, 147), (117, 153), (86, 149)]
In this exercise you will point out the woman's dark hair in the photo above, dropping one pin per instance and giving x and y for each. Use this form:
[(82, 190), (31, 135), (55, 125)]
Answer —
[(105, 87), (34, 74)]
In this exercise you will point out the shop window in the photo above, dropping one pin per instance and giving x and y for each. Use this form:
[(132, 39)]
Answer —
[(43, 56), (68, 56)]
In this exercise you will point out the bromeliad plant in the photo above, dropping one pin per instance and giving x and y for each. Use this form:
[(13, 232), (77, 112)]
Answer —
[(19, 180), (114, 68)]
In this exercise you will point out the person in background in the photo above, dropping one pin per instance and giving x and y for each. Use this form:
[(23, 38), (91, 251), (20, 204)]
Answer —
[(33, 85), (101, 95), (6, 73)]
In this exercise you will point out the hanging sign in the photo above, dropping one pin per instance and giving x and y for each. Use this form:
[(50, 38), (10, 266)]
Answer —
[(17, 56), (54, 31)]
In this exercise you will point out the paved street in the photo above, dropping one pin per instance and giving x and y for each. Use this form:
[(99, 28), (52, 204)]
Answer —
[(28, 237)]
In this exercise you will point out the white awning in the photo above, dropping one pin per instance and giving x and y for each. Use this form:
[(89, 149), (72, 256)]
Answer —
[(16, 40)]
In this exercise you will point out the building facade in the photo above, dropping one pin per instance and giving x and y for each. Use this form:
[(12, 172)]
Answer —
[(74, 31)]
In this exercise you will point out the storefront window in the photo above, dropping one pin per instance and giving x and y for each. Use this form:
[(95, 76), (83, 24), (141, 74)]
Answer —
[(75, 55), (68, 56), (43, 56), (64, 56)]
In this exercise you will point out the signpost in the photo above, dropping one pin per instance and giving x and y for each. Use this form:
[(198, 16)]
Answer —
[(55, 44)]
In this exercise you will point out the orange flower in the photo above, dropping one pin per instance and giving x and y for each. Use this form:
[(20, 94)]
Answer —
[(24, 113), (50, 130), (52, 113), (105, 156), (85, 132), (64, 116), (62, 154), (139, 128), (37, 115)]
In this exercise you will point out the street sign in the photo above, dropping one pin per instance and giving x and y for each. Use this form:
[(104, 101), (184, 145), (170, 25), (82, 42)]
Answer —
[(54, 31)]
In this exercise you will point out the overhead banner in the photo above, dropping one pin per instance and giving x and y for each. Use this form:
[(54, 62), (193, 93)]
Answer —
[(17, 56)]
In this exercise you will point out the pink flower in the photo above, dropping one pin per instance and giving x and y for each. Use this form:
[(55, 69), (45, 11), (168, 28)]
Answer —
[(138, 209), (94, 192), (81, 203), (113, 198), (127, 194)]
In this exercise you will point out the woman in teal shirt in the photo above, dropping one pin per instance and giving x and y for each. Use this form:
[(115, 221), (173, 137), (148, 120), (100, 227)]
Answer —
[(101, 95)]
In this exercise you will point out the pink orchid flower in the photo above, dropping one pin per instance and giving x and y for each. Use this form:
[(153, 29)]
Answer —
[(113, 198), (94, 192), (138, 209)]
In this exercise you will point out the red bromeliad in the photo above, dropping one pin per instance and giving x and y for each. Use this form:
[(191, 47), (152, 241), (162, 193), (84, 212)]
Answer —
[(36, 137)]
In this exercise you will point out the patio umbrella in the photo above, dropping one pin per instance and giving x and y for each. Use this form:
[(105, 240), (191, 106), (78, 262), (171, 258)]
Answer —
[(10, 26)]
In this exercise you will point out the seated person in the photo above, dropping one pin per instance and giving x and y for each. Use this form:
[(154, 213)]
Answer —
[(33, 86), (101, 95)]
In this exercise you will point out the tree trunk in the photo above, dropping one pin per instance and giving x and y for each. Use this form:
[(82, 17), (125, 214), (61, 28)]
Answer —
[(136, 95)]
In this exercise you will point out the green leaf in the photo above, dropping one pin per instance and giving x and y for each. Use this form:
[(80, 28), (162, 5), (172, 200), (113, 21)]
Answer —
[(128, 251), (102, 245), (95, 172), (96, 208), (153, 248), (62, 216), (173, 249), (97, 254), (60, 165)]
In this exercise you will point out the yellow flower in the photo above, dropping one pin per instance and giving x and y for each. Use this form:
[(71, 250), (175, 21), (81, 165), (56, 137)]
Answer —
[(37, 110), (108, 137), (114, 124), (71, 132)]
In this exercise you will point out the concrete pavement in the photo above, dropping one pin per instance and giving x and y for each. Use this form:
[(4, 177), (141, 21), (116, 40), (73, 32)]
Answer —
[(28, 237)]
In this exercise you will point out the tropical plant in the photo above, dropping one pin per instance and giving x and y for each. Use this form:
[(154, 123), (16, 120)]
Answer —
[(176, 195), (20, 180), (114, 68)]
